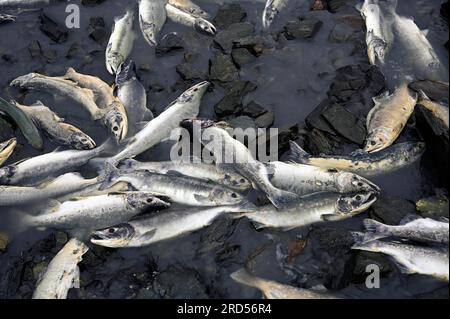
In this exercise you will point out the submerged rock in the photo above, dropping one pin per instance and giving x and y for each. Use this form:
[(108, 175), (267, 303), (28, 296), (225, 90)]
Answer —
[(226, 38), (189, 72), (51, 29), (303, 29), (232, 102), (222, 68), (433, 207), (97, 30), (391, 210), (4, 241), (228, 15), (242, 56), (169, 43), (437, 91)]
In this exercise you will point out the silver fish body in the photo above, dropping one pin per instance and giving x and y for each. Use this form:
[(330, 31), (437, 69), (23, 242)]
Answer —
[(94, 212), (425, 260), (207, 172), (271, 10), (152, 17), (184, 18), (312, 209), (160, 227), (58, 86), (120, 42), (189, 7), (62, 273), (4, 18), (305, 179)]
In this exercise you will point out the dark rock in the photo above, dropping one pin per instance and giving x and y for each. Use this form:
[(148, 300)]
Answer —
[(215, 236), (228, 15), (391, 210), (223, 69), (302, 29), (266, 120), (75, 51), (9, 58), (97, 30), (91, 3), (50, 55), (254, 44), (445, 7), (243, 122), (364, 259), (441, 293), (169, 43), (6, 130), (342, 33), (437, 91), (189, 72), (254, 109), (433, 207), (228, 254), (318, 142), (35, 49), (232, 102), (285, 135), (242, 56), (4, 241), (315, 119), (319, 5), (177, 283), (234, 32), (51, 29), (337, 5)]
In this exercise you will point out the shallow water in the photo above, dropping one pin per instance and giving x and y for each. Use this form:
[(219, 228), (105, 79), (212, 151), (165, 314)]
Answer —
[(293, 78)]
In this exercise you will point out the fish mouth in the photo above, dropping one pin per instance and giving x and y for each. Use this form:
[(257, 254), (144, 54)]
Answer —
[(189, 124)]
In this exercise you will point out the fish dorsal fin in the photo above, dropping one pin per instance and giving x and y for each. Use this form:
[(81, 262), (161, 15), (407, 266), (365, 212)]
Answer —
[(21, 161), (381, 98), (58, 149), (170, 105), (409, 218), (38, 103), (53, 206), (425, 32)]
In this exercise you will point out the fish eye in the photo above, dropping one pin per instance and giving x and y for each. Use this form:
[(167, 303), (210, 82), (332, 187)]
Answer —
[(242, 180), (360, 184), (234, 195), (115, 128), (373, 143), (149, 200), (359, 197), (111, 230)]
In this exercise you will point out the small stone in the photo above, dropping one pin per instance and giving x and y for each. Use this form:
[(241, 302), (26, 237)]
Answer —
[(223, 69), (169, 43), (4, 241), (243, 122), (97, 30), (228, 15), (319, 5), (39, 269), (61, 238), (75, 51), (254, 109), (50, 55), (391, 210), (145, 67), (51, 29), (433, 207), (303, 29), (35, 49), (341, 33), (242, 56), (254, 44), (189, 72), (233, 33), (266, 120), (232, 102)]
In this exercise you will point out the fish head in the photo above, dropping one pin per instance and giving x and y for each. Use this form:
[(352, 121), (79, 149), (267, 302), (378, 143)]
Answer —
[(225, 196), (114, 237), (81, 141), (351, 205), (142, 200), (24, 79), (204, 26), (269, 14), (350, 182), (413, 150), (193, 124), (125, 73), (378, 140), (8, 147), (116, 122), (236, 182), (6, 173), (195, 93)]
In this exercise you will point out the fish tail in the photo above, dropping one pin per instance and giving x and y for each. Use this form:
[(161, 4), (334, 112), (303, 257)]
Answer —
[(362, 244), (109, 175), (23, 222), (375, 230), (242, 276), (298, 154), (125, 73), (281, 199), (107, 147)]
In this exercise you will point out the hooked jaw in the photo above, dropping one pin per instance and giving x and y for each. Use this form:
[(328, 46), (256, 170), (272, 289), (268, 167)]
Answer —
[(114, 237), (205, 26), (377, 141)]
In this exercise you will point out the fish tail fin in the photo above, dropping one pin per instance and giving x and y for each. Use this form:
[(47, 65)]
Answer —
[(109, 175), (107, 147), (23, 222), (70, 71), (280, 198), (375, 230), (242, 276), (298, 154), (125, 72), (241, 210), (423, 96), (362, 244)]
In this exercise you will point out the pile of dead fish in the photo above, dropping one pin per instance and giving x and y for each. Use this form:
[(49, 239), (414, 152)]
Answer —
[(305, 191)]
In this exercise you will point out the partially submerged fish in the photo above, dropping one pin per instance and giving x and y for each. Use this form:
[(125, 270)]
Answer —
[(271, 10), (43, 167), (162, 226), (312, 209), (63, 185), (120, 42), (207, 172), (133, 96), (182, 190), (93, 212), (62, 273), (160, 128), (275, 290), (152, 17), (425, 260), (362, 163), (184, 18), (6, 18), (388, 118), (232, 154), (24, 122), (189, 7), (305, 179), (378, 36), (115, 118), (61, 87), (54, 126), (439, 111), (6, 149), (425, 230)]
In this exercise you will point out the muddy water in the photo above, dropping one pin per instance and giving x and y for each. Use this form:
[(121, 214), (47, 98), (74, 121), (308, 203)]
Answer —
[(293, 77)]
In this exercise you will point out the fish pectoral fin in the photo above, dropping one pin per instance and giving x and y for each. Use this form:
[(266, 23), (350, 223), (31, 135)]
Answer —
[(148, 115), (402, 267), (53, 205), (202, 199), (258, 225), (148, 235), (331, 218)]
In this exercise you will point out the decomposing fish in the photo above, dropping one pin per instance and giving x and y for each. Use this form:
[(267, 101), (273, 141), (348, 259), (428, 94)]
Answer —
[(306, 179), (61, 87), (43, 167), (6, 149), (54, 126), (207, 172), (115, 118), (94, 212), (425, 230), (411, 259), (232, 154), (190, 7), (152, 17), (22, 5), (182, 190), (388, 118), (161, 226), (66, 184), (438, 110), (62, 273), (160, 128), (133, 96), (271, 10), (378, 36), (187, 19), (24, 122), (312, 209), (4, 18), (121, 42), (275, 290), (362, 163)]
